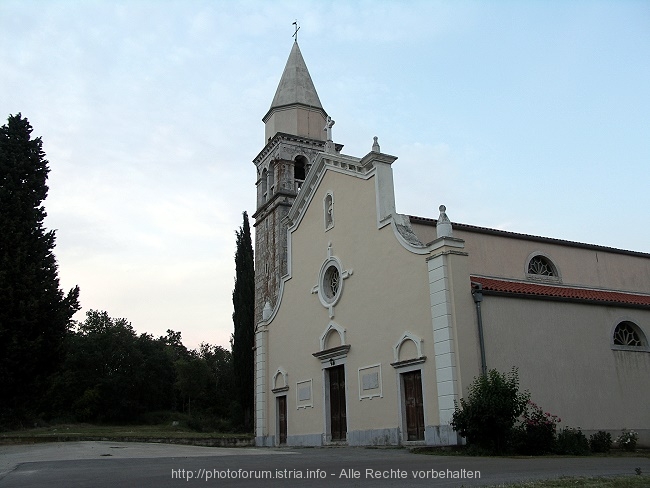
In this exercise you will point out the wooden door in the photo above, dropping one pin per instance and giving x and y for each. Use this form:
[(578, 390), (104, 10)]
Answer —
[(414, 405), (338, 421), (282, 418)]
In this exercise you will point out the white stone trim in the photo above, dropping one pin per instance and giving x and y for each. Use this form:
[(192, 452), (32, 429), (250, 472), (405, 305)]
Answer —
[(443, 336), (370, 396), (280, 372), (406, 337), (326, 301), (305, 404), (331, 357), (332, 326), (261, 407)]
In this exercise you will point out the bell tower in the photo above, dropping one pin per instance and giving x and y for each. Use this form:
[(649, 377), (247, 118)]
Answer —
[(294, 133)]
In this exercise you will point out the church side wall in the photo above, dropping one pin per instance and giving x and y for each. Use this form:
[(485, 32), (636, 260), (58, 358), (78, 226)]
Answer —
[(466, 328), (564, 357), (506, 257)]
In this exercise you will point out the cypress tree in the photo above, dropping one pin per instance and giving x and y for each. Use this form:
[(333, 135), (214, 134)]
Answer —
[(34, 313), (243, 298)]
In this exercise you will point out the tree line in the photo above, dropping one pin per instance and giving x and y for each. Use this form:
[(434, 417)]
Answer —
[(111, 374), (100, 370)]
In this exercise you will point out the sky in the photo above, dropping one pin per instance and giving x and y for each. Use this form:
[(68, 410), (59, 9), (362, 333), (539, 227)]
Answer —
[(532, 117)]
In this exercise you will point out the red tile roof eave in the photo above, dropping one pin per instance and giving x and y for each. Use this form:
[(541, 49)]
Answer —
[(516, 289), (566, 299)]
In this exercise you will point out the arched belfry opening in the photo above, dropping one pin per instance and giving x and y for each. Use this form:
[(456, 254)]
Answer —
[(263, 190), (300, 166)]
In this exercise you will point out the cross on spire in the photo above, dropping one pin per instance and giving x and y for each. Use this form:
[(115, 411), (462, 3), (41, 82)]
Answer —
[(295, 34)]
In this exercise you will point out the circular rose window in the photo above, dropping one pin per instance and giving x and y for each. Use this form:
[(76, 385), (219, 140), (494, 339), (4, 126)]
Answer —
[(330, 283)]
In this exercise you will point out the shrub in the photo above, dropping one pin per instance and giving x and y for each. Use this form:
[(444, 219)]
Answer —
[(493, 404), (536, 433), (572, 441), (627, 440), (600, 441)]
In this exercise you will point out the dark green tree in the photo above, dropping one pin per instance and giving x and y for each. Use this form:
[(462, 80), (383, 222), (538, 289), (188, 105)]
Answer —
[(221, 395), (156, 390), (243, 298), (193, 381), (109, 367), (111, 374), (34, 313), (175, 345)]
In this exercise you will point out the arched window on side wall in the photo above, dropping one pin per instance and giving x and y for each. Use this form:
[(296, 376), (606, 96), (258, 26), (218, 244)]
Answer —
[(539, 267), (628, 336)]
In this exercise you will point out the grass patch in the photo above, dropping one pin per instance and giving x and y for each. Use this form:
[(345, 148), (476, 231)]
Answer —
[(442, 451), (633, 481), (473, 451), (117, 432)]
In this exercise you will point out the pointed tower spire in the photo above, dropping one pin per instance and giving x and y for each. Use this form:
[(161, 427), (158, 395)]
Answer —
[(295, 86), (296, 108)]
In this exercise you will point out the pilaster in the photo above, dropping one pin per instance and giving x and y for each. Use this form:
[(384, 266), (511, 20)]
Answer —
[(441, 264), (261, 385)]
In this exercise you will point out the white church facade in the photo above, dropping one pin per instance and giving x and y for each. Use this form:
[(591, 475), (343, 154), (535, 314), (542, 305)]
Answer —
[(371, 324)]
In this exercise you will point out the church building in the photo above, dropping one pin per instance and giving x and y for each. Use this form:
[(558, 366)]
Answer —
[(370, 324)]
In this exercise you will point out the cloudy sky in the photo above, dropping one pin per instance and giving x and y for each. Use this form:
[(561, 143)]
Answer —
[(531, 116)]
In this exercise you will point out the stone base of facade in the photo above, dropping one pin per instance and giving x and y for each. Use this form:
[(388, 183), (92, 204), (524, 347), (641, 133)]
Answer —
[(308, 440), (434, 435), (265, 441), (442, 435), (374, 437)]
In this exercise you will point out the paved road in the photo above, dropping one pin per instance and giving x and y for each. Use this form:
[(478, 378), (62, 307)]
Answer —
[(109, 464)]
